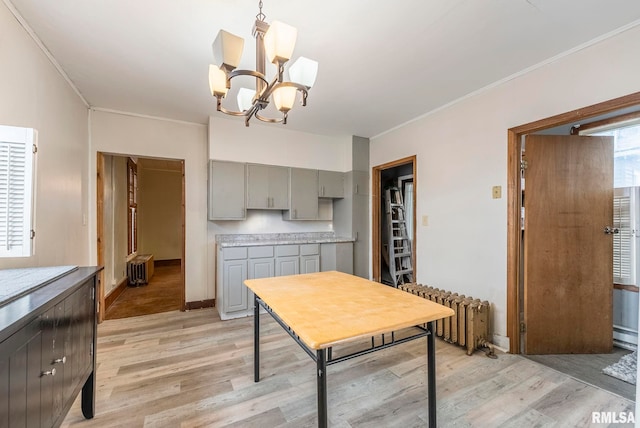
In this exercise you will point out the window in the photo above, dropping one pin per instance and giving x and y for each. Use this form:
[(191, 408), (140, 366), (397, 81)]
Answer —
[(17, 148), (132, 216), (626, 201)]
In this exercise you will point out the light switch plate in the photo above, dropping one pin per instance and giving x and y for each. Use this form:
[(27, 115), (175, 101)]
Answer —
[(497, 192)]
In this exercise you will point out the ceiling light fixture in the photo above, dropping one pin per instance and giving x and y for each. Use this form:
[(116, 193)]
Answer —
[(274, 42)]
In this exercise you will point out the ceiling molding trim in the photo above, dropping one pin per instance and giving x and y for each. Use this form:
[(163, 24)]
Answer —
[(44, 49), (146, 116), (515, 75)]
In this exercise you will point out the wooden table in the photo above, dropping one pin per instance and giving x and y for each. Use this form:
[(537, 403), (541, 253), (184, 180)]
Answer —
[(325, 309)]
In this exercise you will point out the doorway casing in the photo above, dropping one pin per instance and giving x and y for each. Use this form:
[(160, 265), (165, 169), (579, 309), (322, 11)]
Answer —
[(100, 170), (376, 201), (514, 148)]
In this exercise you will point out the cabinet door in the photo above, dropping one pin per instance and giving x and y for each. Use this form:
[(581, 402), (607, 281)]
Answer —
[(330, 184), (304, 194), (226, 190), (287, 265), (235, 292), (258, 187), (267, 187), (261, 268), (360, 183), (279, 187), (20, 377), (309, 264)]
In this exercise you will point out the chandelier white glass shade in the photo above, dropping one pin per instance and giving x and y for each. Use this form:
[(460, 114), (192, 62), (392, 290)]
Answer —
[(274, 43)]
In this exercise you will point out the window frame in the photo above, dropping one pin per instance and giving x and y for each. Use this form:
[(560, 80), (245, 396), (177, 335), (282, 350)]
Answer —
[(12, 136)]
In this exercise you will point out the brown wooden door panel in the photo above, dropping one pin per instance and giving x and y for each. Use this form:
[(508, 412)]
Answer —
[(567, 256)]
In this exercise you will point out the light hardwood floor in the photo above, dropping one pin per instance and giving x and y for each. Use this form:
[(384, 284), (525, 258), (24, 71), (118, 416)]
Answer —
[(189, 369)]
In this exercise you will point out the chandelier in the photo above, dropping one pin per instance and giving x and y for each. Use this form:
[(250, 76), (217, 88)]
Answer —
[(274, 42)]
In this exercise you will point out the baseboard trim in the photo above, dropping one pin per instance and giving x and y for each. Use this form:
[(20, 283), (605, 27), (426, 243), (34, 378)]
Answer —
[(115, 293), (170, 262), (200, 304)]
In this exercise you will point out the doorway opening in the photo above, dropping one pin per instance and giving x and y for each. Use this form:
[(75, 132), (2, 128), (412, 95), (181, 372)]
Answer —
[(140, 235), (579, 366), (399, 180)]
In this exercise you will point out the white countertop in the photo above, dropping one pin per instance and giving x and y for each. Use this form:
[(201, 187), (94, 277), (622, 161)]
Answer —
[(249, 240)]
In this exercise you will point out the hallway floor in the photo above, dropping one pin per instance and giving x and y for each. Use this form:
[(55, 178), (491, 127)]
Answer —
[(162, 294)]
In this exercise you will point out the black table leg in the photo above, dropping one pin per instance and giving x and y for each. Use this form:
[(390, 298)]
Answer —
[(431, 373), (321, 363), (256, 339)]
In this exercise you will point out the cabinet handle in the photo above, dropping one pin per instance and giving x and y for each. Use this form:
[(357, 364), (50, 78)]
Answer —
[(62, 360), (51, 372), (356, 189)]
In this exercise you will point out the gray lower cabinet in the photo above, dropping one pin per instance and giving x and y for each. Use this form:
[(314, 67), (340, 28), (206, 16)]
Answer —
[(309, 258), (235, 297), (235, 264), (337, 256), (287, 260)]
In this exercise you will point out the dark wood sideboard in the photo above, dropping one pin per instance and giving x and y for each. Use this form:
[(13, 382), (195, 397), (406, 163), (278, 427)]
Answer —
[(48, 351)]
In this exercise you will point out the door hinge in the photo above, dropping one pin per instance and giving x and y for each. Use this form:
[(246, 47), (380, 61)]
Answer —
[(32, 235), (523, 328), (35, 149), (523, 164)]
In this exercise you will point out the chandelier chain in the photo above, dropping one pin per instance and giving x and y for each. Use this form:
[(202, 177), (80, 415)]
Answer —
[(260, 16)]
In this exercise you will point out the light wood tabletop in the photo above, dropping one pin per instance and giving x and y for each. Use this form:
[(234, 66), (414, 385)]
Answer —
[(328, 308)]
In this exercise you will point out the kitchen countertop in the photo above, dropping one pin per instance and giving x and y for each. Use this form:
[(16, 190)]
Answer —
[(249, 240), (18, 282)]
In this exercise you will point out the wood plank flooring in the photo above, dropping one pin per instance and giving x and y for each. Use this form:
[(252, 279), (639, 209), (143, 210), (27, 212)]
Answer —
[(162, 294), (588, 368), (189, 369)]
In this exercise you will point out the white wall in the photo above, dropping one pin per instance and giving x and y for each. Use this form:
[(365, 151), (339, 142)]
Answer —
[(160, 213), (274, 144), (462, 152), (140, 136), (34, 94)]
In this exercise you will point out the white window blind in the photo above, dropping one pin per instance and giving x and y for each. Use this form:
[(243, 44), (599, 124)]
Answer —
[(16, 191), (624, 241)]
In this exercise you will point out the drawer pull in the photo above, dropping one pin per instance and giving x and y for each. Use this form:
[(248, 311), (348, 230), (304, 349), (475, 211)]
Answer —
[(51, 372), (62, 360)]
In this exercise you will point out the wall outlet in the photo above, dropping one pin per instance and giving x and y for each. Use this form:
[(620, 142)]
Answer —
[(497, 192)]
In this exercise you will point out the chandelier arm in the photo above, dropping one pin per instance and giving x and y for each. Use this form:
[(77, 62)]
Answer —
[(269, 119)]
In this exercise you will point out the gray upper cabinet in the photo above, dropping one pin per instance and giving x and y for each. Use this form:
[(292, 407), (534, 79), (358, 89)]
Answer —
[(360, 183), (226, 190), (267, 187), (330, 184), (303, 185)]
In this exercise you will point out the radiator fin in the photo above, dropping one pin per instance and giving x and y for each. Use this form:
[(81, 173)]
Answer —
[(468, 327)]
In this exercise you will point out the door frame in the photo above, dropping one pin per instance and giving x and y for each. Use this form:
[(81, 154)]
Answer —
[(376, 200), (100, 229), (514, 206)]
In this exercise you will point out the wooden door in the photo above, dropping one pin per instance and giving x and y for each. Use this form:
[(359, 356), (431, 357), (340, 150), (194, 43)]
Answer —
[(568, 258)]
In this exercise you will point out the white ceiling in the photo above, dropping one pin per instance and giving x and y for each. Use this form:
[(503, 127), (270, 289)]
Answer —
[(382, 63)]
